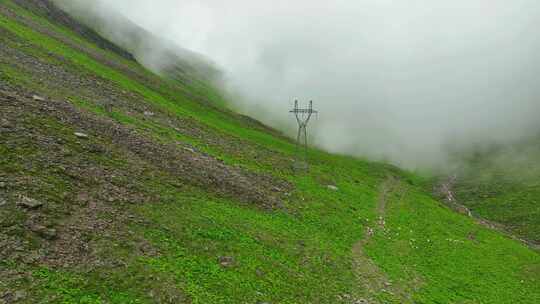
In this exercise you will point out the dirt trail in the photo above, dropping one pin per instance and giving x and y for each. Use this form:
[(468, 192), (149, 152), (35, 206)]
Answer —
[(373, 280), (446, 191)]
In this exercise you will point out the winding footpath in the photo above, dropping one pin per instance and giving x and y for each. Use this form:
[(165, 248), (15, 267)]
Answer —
[(373, 280)]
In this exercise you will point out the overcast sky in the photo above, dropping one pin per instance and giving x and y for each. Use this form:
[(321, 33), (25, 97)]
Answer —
[(396, 80)]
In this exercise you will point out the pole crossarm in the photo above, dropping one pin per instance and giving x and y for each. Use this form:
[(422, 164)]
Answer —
[(303, 111)]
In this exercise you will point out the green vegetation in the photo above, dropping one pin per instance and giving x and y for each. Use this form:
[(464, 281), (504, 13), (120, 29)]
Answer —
[(503, 185), (181, 243), (436, 248)]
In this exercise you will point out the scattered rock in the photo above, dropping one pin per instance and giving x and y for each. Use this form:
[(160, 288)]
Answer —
[(44, 232), (259, 272), (96, 149), (29, 203), (49, 234), (32, 257), (2, 202), (148, 113), (361, 301), (226, 261), (38, 98), (19, 295), (81, 135), (2, 185), (5, 124), (188, 149), (83, 197), (332, 187)]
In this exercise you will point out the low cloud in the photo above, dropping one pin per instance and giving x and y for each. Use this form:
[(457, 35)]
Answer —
[(404, 81)]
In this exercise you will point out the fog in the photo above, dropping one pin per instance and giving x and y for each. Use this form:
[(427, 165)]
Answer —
[(403, 81)]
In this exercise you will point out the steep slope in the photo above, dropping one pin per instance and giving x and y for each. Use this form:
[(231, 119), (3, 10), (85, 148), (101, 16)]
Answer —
[(118, 186), (58, 16), (502, 184), (159, 54)]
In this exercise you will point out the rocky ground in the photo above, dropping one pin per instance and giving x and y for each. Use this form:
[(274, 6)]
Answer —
[(118, 186), (51, 218), (61, 187)]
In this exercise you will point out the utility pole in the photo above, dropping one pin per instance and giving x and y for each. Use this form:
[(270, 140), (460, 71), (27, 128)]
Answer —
[(302, 117)]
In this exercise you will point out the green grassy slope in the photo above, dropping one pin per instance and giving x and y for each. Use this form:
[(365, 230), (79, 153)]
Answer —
[(168, 224), (503, 185)]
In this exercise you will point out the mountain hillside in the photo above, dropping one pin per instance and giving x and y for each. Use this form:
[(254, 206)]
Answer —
[(121, 186), (58, 16), (502, 184), (161, 55)]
